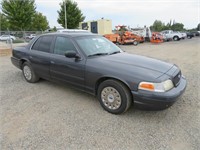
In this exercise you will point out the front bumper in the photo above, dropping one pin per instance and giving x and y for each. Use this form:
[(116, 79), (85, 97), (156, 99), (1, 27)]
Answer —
[(158, 100)]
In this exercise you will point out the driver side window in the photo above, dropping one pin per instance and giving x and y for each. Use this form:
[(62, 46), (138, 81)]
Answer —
[(62, 45)]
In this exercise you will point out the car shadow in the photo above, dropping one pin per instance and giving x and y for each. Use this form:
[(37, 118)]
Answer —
[(132, 112)]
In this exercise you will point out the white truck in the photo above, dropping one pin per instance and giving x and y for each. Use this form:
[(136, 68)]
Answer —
[(172, 35), (31, 36)]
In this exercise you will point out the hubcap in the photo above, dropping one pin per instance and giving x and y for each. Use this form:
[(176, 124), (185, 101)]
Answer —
[(111, 98), (27, 72)]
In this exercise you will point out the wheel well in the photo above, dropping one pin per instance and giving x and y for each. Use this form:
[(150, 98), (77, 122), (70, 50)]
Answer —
[(176, 36), (22, 62), (107, 78)]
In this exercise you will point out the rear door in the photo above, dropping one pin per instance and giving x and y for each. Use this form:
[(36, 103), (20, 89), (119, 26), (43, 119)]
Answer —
[(66, 69), (40, 55)]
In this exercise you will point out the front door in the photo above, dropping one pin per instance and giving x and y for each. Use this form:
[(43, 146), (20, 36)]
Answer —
[(66, 69)]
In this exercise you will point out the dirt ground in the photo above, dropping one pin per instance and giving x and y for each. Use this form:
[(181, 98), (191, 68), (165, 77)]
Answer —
[(49, 116)]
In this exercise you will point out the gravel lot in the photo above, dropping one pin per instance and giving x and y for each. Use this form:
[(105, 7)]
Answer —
[(49, 116)]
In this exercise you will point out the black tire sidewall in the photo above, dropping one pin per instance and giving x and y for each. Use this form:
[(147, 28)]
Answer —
[(122, 92), (176, 38), (34, 78)]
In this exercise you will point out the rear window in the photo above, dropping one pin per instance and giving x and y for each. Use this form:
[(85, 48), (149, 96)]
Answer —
[(43, 44)]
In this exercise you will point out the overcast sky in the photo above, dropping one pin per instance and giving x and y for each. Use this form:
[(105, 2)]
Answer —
[(132, 13)]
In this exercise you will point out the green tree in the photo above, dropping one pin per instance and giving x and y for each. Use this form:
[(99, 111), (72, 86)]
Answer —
[(198, 27), (157, 26), (19, 13), (4, 24), (74, 14), (168, 26), (54, 29), (39, 22), (177, 27)]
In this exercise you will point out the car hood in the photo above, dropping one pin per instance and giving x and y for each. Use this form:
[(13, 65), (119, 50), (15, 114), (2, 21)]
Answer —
[(139, 61), (135, 64)]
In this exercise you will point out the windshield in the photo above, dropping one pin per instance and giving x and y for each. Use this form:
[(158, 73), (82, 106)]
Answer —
[(97, 45)]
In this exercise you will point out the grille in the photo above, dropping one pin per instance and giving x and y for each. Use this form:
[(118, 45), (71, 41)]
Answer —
[(177, 78)]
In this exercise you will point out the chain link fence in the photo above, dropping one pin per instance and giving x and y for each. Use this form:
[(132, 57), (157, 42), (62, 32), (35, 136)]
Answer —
[(11, 39), (19, 36)]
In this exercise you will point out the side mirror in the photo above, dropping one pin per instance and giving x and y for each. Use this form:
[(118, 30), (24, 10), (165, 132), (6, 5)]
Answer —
[(72, 54)]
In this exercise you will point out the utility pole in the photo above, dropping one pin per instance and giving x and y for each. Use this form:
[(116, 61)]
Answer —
[(0, 27), (65, 14)]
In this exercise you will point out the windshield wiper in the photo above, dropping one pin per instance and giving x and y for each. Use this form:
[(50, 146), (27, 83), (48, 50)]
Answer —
[(98, 54), (115, 52)]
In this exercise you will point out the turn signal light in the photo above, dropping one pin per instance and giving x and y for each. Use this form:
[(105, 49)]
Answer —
[(147, 86)]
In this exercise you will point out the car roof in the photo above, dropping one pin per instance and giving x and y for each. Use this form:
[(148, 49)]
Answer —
[(75, 34), (72, 30)]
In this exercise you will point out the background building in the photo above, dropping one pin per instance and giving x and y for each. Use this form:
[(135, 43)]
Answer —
[(102, 26)]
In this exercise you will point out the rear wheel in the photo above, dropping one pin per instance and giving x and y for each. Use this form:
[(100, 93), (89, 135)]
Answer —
[(135, 43), (114, 96), (28, 73)]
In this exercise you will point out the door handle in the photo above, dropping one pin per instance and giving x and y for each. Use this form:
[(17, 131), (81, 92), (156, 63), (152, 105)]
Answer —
[(31, 57), (52, 62)]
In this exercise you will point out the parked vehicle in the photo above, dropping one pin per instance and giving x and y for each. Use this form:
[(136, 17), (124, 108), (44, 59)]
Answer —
[(195, 33), (176, 36), (7, 37), (138, 38), (123, 36), (190, 35), (156, 37), (31, 36), (145, 33), (96, 65), (112, 37), (184, 35), (165, 38)]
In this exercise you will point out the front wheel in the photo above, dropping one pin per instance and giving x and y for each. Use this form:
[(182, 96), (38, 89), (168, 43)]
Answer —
[(28, 73), (114, 96)]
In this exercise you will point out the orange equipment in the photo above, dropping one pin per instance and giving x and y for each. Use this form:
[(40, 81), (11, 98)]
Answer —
[(134, 36), (156, 37), (121, 36), (112, 37)]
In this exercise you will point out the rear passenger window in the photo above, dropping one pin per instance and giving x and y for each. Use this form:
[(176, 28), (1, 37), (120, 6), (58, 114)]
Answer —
[(43, 44), (36, 44), (62, 45)]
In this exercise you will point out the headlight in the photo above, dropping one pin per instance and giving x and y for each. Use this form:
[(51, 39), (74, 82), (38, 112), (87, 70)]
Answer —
[(156, 87)]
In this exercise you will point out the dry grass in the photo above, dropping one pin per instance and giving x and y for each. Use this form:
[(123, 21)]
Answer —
[(5, 52)]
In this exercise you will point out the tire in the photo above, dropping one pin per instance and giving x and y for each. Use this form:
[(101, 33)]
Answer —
[(28, 73), (135, 43), (175, 38), (115, 104), (189, 37), (117, 43)]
